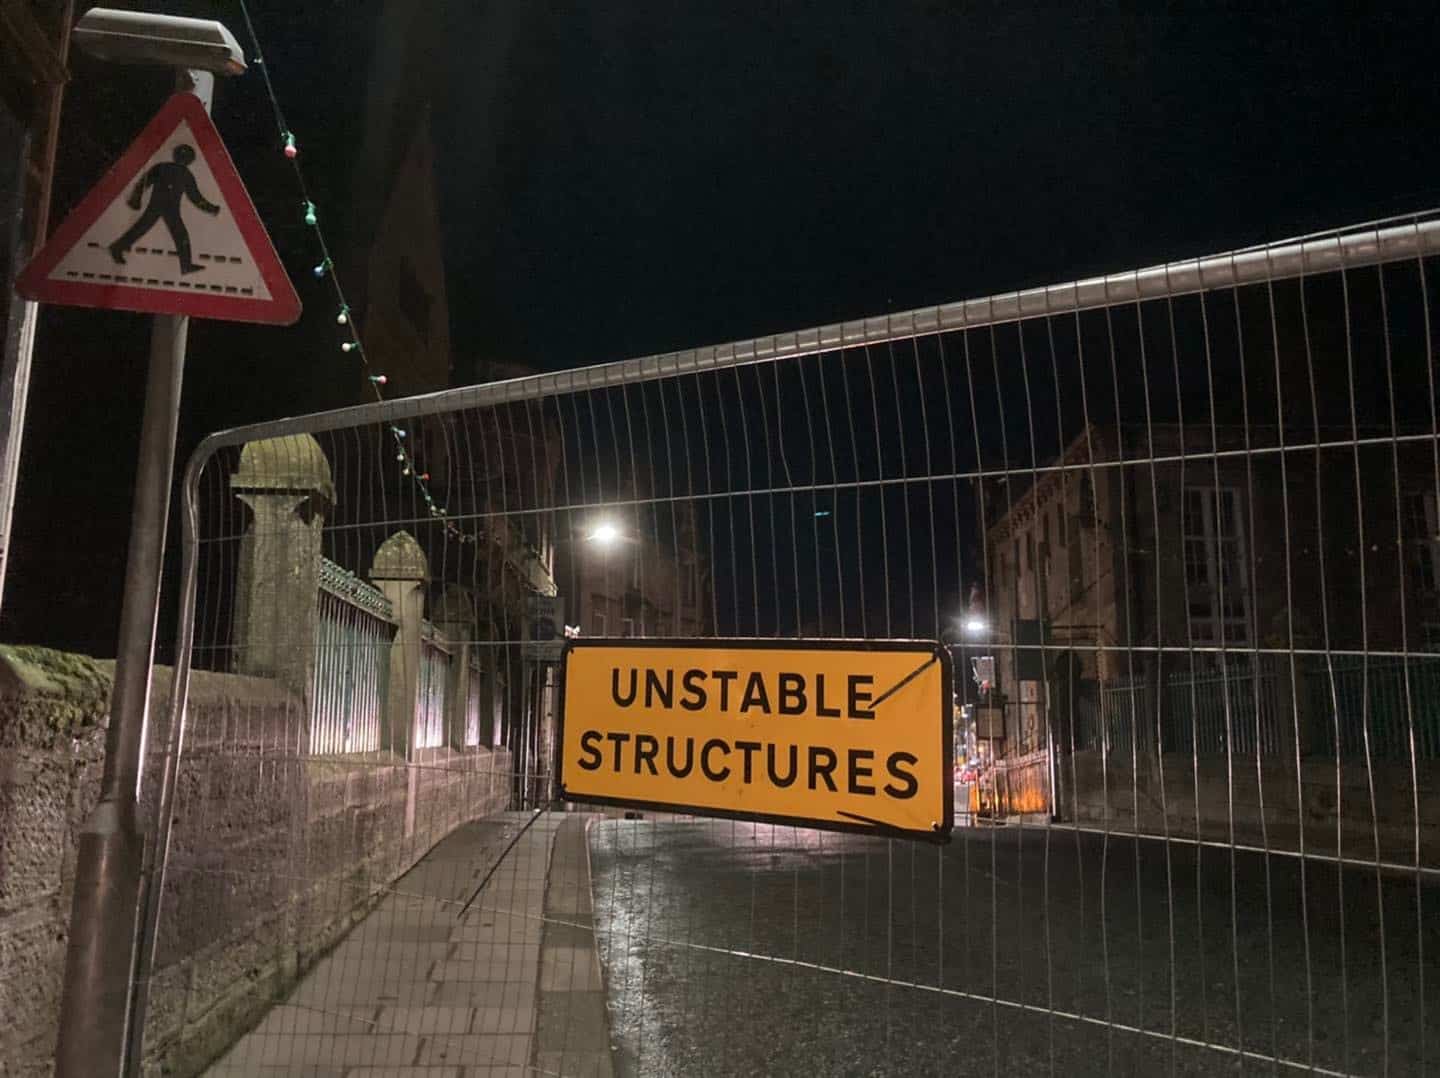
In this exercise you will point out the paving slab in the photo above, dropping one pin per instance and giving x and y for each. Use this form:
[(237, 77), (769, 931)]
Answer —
[(483, 994), (284, 1070), (326, 1049), (518, 969), (478, 1049), (426, 1020), (574, 1064), (289, 1019), (565, 968)]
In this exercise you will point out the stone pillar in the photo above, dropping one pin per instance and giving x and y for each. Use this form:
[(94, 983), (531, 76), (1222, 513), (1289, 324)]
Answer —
[(493, 700), (401, 571), (287, 486), (456, 619)]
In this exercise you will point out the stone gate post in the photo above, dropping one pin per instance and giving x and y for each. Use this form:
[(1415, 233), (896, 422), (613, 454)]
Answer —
[(287, 486), (456, 619), (401, 571)]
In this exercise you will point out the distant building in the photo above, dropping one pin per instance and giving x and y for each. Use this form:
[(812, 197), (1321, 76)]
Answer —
[(1146, 591), (650, 578), (396, 282), (497, 473)]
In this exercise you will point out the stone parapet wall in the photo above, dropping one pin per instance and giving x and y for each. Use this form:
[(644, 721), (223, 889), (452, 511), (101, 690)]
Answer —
[(52, 749), (273, 854)]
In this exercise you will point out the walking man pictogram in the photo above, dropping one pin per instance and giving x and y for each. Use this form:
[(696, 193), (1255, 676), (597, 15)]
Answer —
[(171, 181)]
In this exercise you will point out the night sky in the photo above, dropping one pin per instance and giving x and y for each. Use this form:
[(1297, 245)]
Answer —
[(626, 179)]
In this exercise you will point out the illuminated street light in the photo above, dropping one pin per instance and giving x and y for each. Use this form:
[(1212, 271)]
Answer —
[(976, 625), (605, 533)]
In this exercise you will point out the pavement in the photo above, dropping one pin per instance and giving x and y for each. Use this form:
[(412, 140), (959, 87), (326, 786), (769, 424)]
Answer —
[(512, 988), (746, 949)]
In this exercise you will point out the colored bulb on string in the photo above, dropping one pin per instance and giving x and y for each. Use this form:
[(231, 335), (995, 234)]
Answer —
[(425, 477), (405, 470), (378, 379), (291, 150), (310, 216), (348, 346), (321, 268), (397, 432), (343, 317)]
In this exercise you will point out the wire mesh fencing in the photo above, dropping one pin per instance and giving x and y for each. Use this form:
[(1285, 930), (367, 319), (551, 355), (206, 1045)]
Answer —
[(1185, 516)]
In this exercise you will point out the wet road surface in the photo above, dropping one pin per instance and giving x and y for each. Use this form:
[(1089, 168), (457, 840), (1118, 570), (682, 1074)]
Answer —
[(733, 948)]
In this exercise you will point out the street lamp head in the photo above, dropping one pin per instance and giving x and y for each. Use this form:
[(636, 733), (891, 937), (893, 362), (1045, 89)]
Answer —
[(603, 534), (975, 625), (139, 37)]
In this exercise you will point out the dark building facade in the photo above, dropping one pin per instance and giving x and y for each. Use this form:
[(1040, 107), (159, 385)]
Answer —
[(1206, 593), (395, 258), (34, 53), (651, 578)]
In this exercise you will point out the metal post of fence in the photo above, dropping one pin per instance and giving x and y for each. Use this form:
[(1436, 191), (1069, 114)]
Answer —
[(97, 1001)]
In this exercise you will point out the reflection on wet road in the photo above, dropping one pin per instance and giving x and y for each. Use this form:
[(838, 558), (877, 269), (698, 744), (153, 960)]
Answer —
[(735, 948)]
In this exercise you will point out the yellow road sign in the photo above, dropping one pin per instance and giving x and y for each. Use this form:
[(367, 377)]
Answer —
[(848, 735)]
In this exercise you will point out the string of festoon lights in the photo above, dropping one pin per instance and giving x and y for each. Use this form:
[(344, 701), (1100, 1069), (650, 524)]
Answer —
[(324, 269)]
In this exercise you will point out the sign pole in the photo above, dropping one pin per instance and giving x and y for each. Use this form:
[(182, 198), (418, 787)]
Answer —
[(98, 1000)]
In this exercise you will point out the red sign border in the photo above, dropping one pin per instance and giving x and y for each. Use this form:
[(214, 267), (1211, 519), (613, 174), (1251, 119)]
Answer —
[(283, 308)]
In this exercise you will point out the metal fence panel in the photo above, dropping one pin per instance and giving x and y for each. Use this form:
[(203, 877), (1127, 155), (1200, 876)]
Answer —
[(1187, 512)]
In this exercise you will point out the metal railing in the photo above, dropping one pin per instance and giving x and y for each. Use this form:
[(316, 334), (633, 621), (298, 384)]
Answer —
[(432, 696), (1234, 708), (1393, 701), (352, 664), (1245, 709), (1126, 710)]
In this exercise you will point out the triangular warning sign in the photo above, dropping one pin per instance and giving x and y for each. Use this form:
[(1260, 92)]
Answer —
[(169, 230)]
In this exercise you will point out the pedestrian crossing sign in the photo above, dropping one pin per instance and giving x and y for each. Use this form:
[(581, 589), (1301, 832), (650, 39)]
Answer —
[(170, 229)]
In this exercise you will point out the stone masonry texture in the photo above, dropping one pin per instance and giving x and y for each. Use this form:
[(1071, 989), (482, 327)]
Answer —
[(274, 854)]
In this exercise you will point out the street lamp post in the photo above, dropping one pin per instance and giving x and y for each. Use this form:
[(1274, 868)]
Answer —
[(98, 1002), (977, 627)]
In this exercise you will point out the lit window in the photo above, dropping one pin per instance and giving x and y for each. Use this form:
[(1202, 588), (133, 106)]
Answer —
[(1215, 580)]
